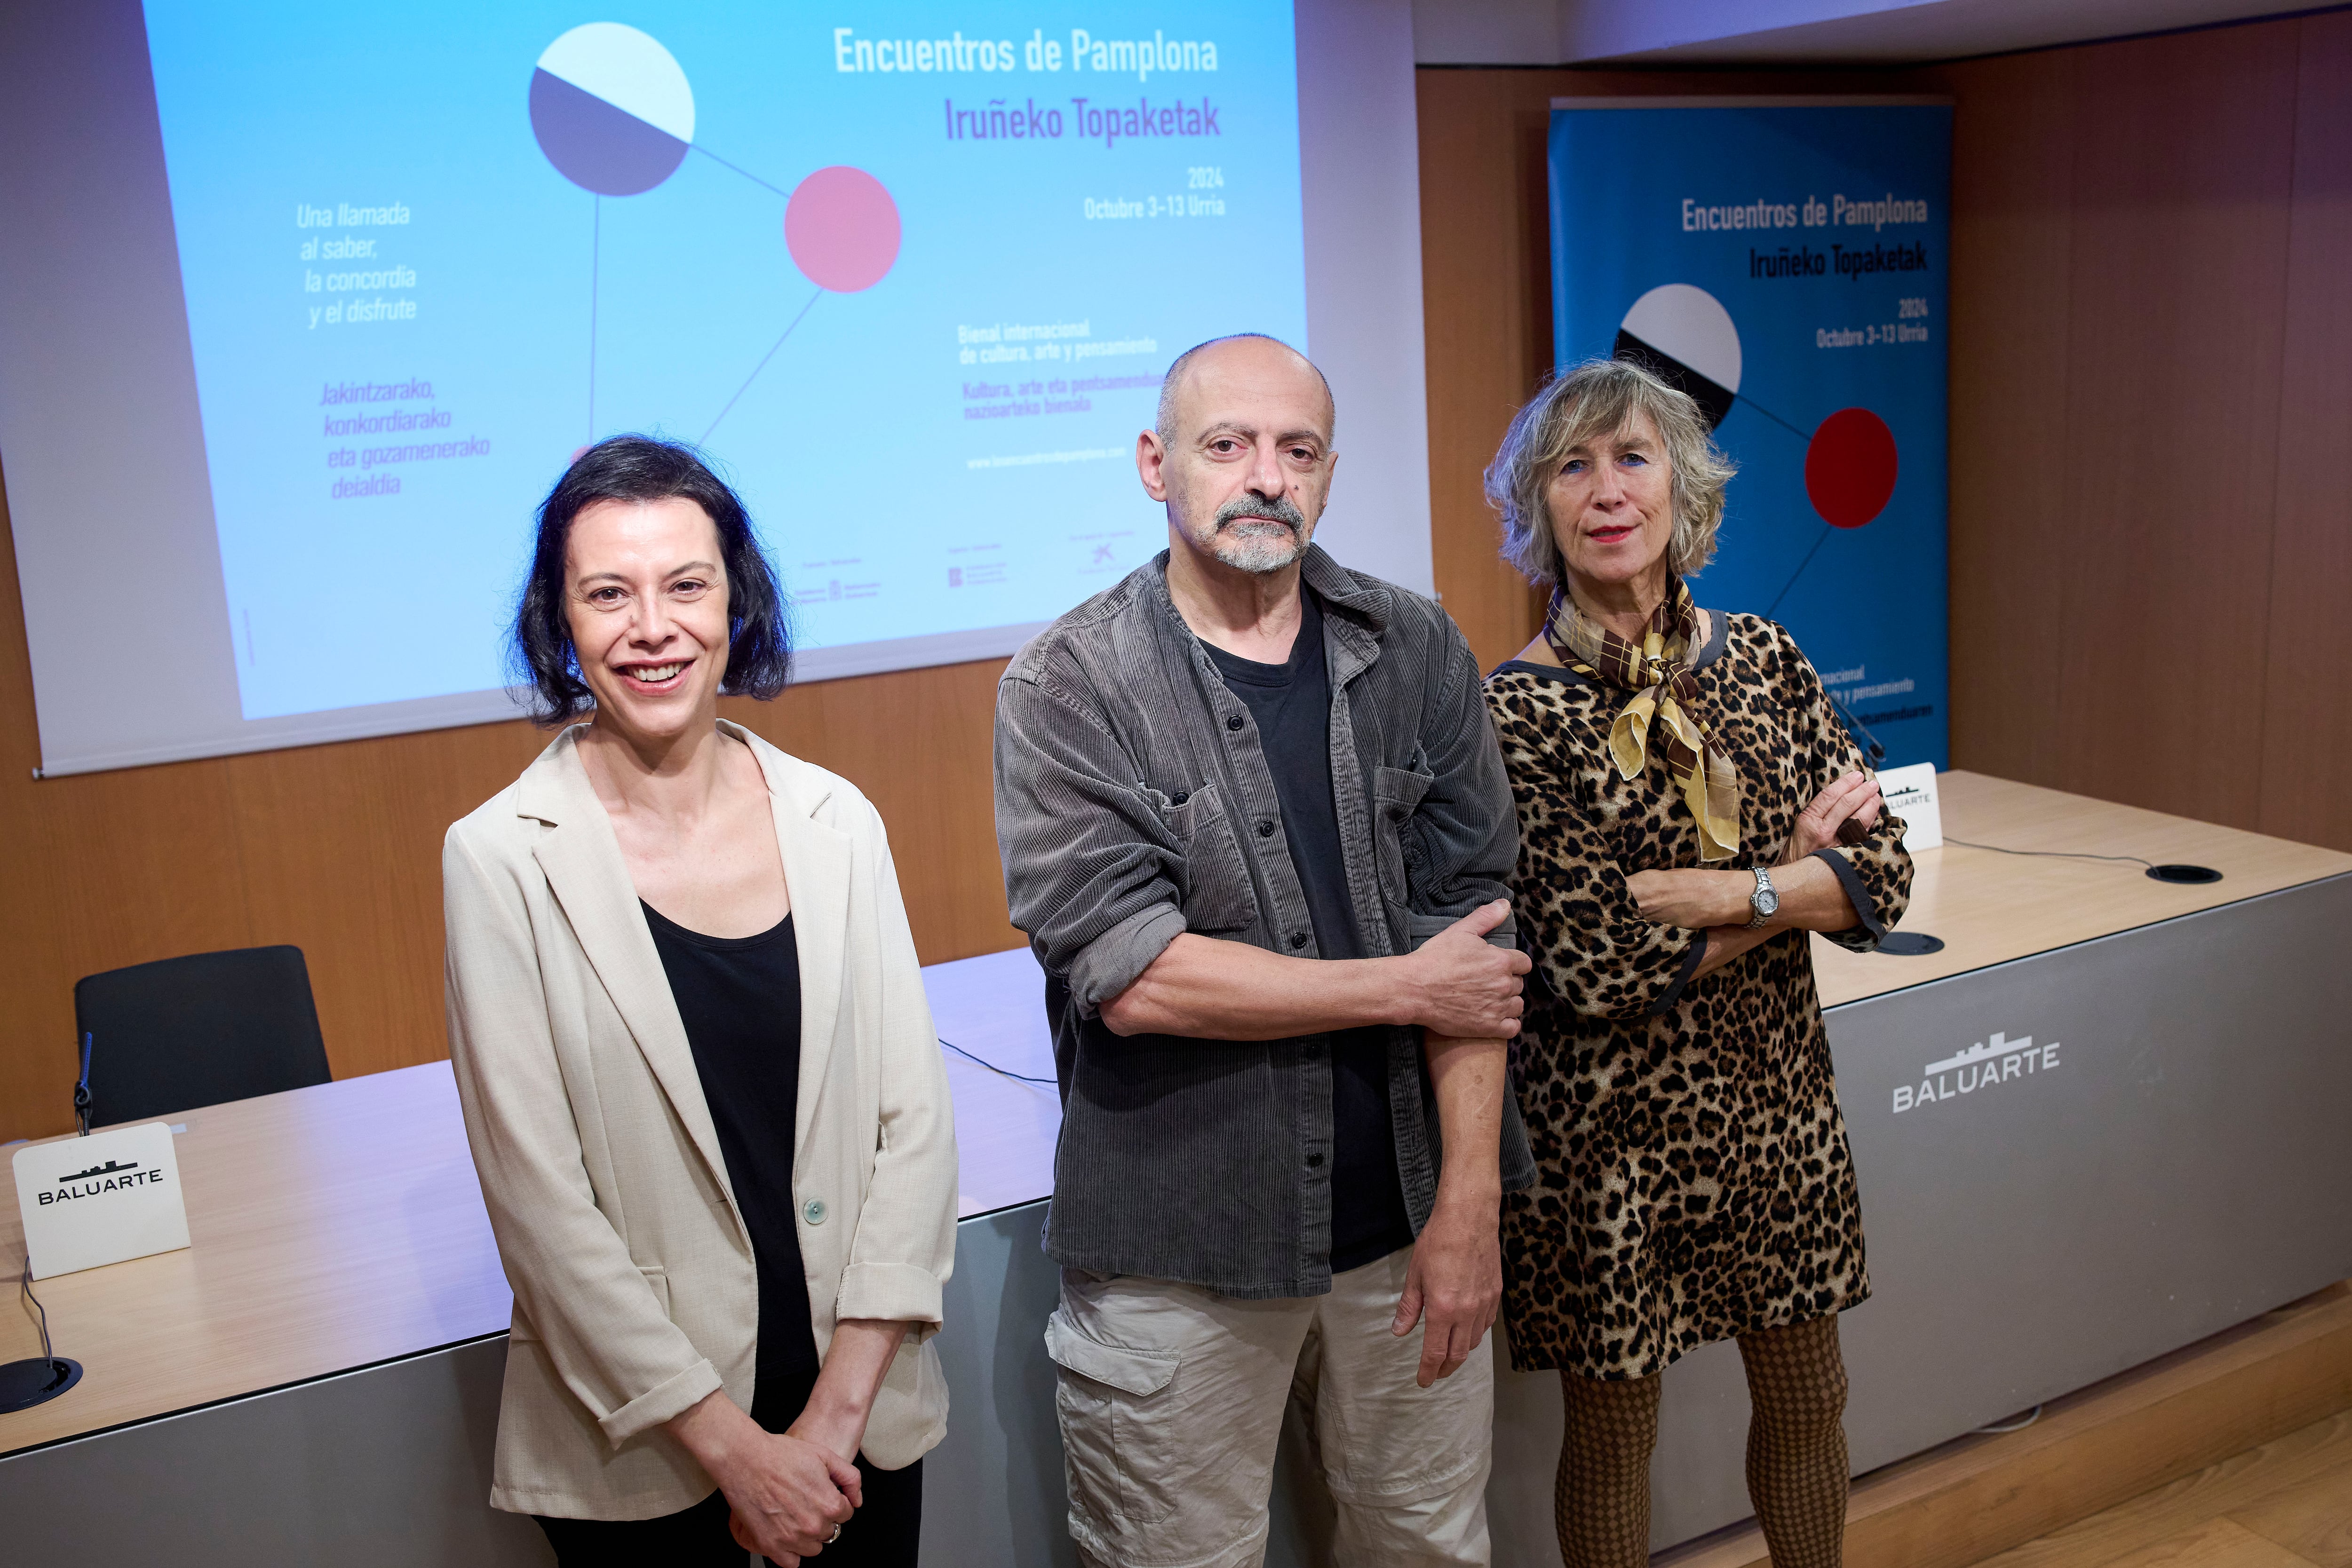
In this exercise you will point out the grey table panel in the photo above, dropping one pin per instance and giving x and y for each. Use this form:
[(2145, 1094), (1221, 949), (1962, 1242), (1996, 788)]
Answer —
[(384, 1468), (992, 1489), (389, 1465)]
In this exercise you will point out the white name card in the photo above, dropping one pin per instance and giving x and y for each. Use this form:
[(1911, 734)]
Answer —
[(1910, 794), (101, 1199)]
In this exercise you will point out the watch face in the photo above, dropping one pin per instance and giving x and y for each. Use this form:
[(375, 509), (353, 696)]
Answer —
[(1766, 901)]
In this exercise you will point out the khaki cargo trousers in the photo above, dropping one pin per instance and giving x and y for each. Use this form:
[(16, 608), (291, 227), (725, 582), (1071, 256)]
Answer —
[(1171, 1400)]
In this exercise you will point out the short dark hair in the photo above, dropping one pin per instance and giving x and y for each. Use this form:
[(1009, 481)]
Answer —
[(645, 468)]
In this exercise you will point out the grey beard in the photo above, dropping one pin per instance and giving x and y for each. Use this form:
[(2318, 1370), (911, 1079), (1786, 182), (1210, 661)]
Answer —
[(1261, 550)]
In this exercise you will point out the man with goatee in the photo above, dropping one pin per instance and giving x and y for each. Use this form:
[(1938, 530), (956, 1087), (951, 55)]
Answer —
[(1255, 825)]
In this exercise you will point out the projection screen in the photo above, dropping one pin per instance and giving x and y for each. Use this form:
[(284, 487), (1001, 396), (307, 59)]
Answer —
[(306, 310)]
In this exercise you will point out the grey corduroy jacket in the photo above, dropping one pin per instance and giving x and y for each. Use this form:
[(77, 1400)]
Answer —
[(1134, 803)]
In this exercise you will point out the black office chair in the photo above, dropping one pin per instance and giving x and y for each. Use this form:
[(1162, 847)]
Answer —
[(183, 1033)]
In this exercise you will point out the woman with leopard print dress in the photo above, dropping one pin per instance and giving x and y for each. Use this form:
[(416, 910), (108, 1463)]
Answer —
[(1689, 809)]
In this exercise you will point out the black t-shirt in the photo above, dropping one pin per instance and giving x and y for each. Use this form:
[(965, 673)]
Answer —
[(740, 998), (1292, 704)]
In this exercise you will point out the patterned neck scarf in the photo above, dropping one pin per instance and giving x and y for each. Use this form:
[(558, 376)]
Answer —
[(1658, 673)]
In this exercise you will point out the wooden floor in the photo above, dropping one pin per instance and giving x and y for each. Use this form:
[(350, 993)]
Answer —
[(2286, 1504), (2235, 1450)]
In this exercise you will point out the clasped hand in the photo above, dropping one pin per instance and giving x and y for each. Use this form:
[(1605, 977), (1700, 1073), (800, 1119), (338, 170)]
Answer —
[(1699, 900), (1855, 795), (788, 1496), (1469, 989)]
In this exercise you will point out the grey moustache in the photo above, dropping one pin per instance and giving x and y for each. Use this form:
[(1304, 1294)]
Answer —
[(1261, 509)]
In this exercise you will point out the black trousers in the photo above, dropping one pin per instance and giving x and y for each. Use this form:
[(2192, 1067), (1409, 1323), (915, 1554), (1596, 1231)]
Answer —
[(882, 1534)]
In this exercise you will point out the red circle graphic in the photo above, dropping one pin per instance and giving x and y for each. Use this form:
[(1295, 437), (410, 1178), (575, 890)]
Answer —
[(1850, 467), (842, 228)]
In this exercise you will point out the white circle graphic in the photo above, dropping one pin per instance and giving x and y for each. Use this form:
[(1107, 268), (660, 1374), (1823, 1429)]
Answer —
[(627, 69), (1690, 325)]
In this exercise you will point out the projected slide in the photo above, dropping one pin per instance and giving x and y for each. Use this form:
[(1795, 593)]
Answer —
[(909, 273)]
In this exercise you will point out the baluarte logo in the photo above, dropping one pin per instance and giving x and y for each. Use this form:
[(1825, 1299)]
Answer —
[(113, 1176), (2000, 1060)]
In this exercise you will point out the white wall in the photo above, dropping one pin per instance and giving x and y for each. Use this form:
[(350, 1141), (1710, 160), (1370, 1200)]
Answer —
[(1360, 156)]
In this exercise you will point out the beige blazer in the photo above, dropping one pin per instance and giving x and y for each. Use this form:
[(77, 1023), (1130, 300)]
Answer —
[(635, 1291)]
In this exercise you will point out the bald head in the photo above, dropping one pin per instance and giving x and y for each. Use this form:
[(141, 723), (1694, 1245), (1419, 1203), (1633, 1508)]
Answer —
[(1242, 455), (1244, 357)]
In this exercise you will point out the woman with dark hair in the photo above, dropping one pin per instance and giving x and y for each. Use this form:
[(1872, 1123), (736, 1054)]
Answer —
[(1690, 812), (698, 1068)]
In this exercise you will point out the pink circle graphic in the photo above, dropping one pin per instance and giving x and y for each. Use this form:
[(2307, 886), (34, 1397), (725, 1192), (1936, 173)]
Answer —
[(842, 228), (1850, 467)]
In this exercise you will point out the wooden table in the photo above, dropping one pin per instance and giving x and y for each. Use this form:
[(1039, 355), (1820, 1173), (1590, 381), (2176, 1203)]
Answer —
[(329, 1228), (1990, 908), (341, 1227)]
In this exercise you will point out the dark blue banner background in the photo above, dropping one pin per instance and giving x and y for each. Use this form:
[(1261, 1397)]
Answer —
[(1789, 263)]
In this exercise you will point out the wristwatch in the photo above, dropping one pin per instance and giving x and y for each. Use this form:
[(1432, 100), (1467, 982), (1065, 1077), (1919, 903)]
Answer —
[(1764, 901)]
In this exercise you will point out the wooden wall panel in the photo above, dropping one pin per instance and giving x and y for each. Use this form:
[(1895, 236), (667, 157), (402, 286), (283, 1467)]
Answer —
[(337, 849), (918, 743), (2152, 277), (123, 867), (2151, 560), (2307, 756), (340, 851), (2013, 187), (2184, 151), (1485, 276)]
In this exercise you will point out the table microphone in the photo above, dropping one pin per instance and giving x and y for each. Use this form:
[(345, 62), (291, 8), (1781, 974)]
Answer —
[(1850, 833), (81, 1089), (38, 1379)]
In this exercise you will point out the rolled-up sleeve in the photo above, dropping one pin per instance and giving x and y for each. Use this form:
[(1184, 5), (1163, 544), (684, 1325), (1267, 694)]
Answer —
[(1464, 837), (599, 1320), (1090, 865), (1464, 842)]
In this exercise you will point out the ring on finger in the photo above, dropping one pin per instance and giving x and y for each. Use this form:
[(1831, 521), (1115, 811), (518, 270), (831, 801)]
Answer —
[(834, 1536)]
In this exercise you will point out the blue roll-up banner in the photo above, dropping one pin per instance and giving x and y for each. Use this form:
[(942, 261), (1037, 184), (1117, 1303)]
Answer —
[(1784, 262)]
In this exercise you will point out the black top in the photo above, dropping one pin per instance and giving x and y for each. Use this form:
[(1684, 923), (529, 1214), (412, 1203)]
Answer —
[(740, 998), (1114, 718), (1292, 704)]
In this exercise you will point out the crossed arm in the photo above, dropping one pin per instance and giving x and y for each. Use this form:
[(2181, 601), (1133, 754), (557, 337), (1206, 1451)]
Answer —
[(1464, 994), (1454, 984), (1813, 898), (1070, 816)]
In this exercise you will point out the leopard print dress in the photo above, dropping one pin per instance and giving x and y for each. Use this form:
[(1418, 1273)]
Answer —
[(1692, 1178)]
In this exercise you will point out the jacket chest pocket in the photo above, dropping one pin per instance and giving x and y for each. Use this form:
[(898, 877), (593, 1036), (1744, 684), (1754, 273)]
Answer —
[(1219, 899), (1396, 795)]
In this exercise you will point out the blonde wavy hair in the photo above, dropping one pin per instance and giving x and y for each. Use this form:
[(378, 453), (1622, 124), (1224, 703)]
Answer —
[(1588, 402)]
